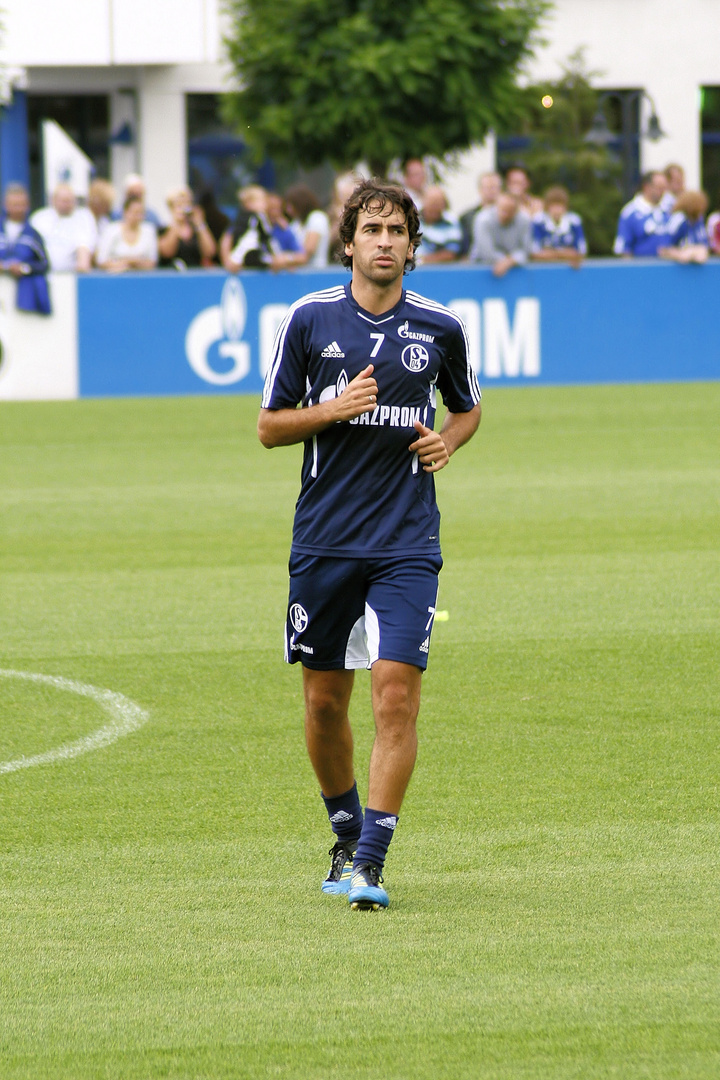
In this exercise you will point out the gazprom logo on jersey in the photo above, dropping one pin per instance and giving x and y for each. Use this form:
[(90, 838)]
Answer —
[(212, 343), (500, 346)]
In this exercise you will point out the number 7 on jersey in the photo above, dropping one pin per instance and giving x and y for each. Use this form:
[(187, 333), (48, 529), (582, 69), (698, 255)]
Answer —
[(378, 338)]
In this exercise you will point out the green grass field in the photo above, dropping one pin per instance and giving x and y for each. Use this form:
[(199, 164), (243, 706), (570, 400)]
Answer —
[(554, 881)]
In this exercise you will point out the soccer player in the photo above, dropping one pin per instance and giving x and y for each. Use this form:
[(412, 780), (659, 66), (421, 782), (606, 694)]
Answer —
[(364, 361)]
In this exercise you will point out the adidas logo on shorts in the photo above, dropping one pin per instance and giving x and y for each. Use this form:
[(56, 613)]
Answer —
[(333, 351), (425, 647)]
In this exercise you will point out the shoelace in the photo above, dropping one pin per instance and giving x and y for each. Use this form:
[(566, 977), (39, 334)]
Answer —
[(371, 874), (340, 855)]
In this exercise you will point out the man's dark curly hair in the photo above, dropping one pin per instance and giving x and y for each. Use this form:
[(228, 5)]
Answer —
[(378, 197)]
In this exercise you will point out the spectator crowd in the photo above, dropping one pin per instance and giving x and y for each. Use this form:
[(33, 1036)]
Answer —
[(508, 227)]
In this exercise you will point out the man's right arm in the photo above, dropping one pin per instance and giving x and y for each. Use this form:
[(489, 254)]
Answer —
[(623, 245), (285, 427)]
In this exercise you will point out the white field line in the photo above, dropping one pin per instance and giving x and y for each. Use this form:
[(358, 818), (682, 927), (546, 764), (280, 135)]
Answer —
[(125, 716)]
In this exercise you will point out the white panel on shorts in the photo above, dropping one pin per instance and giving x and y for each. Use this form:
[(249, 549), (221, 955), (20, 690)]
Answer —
[(356, 652), (372, 633)]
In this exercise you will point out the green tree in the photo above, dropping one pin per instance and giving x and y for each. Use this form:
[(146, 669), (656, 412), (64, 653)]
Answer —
[(375, 80), (558, 152)]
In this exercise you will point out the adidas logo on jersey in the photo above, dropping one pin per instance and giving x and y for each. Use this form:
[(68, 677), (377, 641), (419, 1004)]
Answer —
[(341, 816), (425, 647), (387, 822), (333, 351)]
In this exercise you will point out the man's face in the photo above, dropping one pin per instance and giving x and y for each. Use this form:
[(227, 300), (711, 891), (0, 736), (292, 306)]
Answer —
[(676, 180), (16, 205), (381, 245), (415, 175), (506, 208), (64, 201), (433, 205), (556, 210), (274, 208), (254, 200), (517, 182), (489, 187), (655, 188)]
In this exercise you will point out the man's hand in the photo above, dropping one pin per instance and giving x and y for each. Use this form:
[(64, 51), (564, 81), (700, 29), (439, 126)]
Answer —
[(501, 267), (430, 448), (359, 396), (284, 427)]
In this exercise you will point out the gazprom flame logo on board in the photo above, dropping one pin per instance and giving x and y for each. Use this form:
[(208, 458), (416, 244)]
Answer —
[(221, 326)]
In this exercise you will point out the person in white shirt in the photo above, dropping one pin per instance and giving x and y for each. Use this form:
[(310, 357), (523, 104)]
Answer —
[(134, 184), (130, 244), (68, 231)]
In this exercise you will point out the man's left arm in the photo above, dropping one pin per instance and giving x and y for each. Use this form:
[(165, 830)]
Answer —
[(435, 448), (458, 385)]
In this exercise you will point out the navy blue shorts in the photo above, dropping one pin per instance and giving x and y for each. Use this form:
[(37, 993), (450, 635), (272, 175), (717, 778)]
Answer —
[(348, 613)]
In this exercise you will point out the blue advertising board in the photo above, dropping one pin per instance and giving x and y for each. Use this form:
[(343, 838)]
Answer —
[(205, 332)]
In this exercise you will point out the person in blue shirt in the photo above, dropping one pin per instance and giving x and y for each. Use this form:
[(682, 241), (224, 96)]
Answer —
[(687, 239), (557, 232), (442, 234), (643, 224), (365, 361), (22, 252)]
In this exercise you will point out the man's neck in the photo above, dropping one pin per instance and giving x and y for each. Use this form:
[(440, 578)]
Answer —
[(377, 299)]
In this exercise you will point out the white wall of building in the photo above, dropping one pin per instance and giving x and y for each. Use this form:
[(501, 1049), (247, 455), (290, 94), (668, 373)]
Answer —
[(164, 49), (669, 49), (145, 54), (63, 33)]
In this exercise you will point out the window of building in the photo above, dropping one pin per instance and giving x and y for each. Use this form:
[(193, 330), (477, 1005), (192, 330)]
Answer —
[(710, 148), (85, 118), (620, 131), (218, 159)]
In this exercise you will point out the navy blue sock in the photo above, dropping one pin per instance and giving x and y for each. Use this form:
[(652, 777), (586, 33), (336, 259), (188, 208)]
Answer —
[(345, 813), (377, 832)]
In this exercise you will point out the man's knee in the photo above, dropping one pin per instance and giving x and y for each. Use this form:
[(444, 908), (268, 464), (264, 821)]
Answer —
[(396, 698), (326, 697)]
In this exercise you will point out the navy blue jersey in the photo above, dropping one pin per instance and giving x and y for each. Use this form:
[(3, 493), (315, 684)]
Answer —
[(363, 492)]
